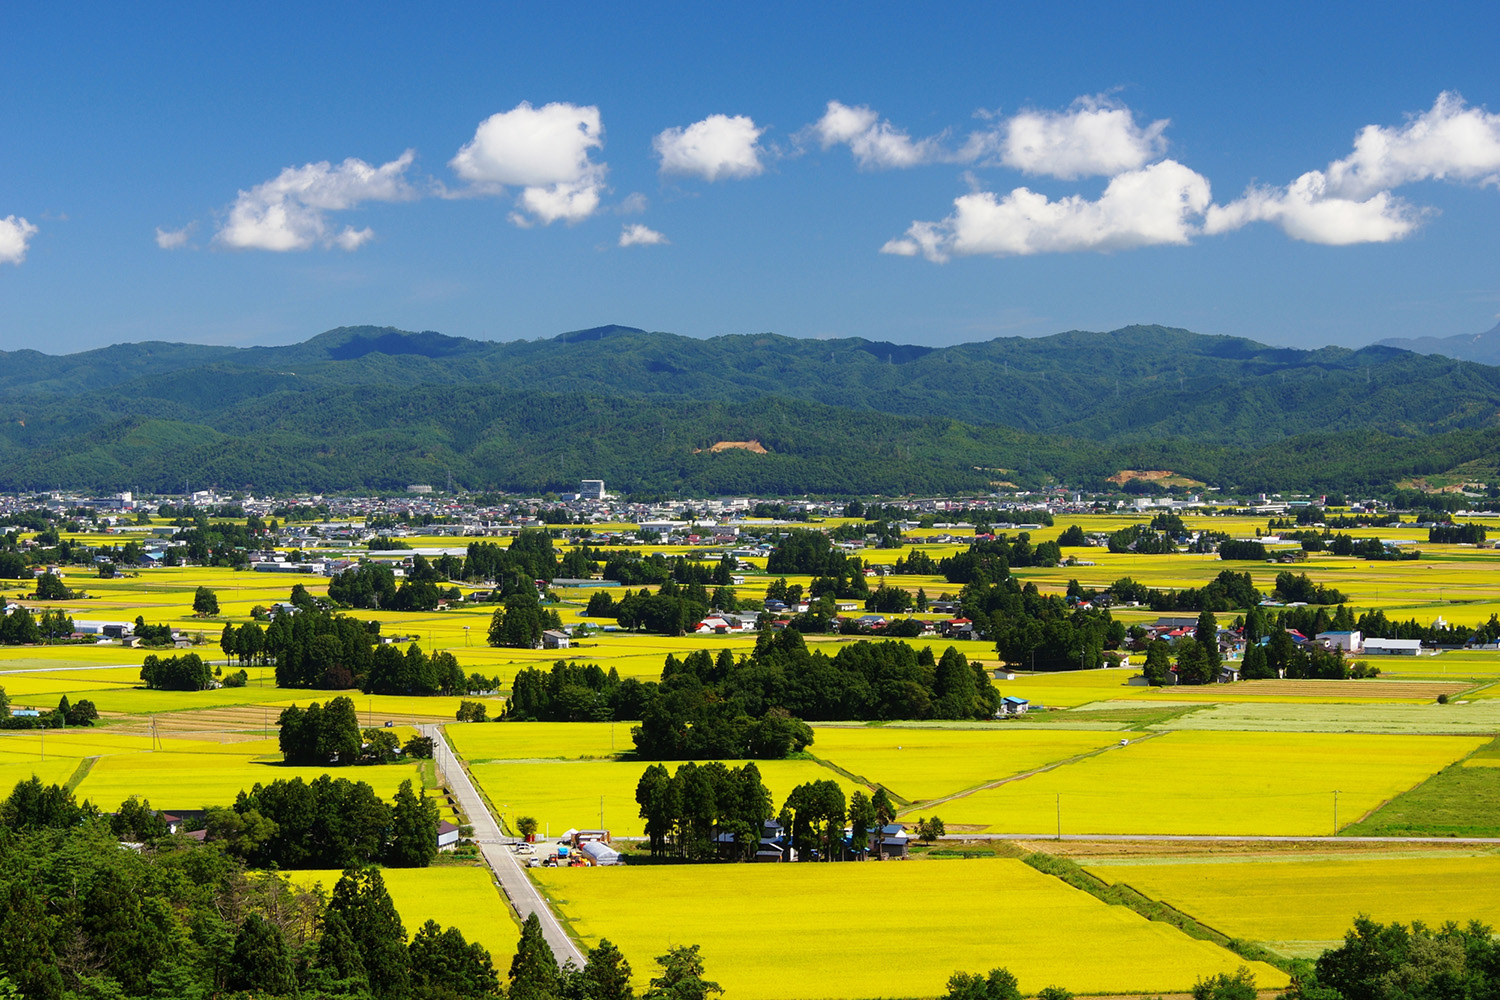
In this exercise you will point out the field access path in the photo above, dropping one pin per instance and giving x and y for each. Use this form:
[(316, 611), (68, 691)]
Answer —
[(495, 847)]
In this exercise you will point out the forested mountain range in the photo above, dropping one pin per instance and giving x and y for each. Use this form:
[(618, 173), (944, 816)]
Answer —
[(366, 407)]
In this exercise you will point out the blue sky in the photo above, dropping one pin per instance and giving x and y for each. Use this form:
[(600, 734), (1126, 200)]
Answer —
[(1297, 174)]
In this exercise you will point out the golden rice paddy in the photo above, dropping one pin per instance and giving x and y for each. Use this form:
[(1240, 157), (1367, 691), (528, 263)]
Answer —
[(880, 928), (1298, 907)]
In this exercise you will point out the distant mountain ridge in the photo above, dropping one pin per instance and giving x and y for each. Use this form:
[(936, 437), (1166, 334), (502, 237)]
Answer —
[(1482, 348), (375, 407)]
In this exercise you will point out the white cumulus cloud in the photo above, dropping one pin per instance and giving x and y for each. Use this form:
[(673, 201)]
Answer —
[(1451, 141), (174, 239), (1095, 137), (718, 146), (15, 237), (1353, 200), (637, 235), (545, 152), (290, 212), (875, 143), (1159, 204), (1306, 211)]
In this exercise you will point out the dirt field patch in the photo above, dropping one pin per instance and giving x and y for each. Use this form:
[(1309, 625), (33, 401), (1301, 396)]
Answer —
[(751, 446)]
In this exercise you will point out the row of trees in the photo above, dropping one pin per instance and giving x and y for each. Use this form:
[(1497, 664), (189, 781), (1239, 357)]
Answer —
[(187, 672), (709, 811), (327, 823)]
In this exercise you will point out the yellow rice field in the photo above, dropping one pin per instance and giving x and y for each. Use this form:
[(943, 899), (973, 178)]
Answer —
[(1213, 783), (920, 764), (194, 774), (459, 896), (52, 771), (1299, 907), (891, 929)]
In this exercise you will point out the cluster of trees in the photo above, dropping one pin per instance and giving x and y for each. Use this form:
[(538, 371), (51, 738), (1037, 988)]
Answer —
[(1042, 632), (1413, 962), (327, 823), (574, 692), (320, 649), (805, 551), (49, 587), (19, 628), (79, 713), (1198, 659), (320, 735), (1368, 549), (1457, 534), (1282, 656), (521, 620), (990, 561), (529, 557), (152, 635), (687, 811), (205, 602), (1300, 589), (184, 921), (1234, 549), (216, 543), (373, 585), (246, 642), (187, 672), (720, 707), (1229, 591), (710, 811), (1143, 540), (414, 672), (632, 569)]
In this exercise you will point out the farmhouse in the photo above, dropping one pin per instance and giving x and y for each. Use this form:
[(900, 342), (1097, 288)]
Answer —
[(1010, 705), (553, 639), (1348, 642), (891, 840)]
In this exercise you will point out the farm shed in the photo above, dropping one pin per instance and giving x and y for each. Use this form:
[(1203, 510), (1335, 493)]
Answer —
[(447, 834), (893, 839), (553, 639), (1394, 647)]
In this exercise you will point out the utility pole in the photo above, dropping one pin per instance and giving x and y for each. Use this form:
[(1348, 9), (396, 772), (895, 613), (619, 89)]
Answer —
[(1336, 812), (1059, 815)]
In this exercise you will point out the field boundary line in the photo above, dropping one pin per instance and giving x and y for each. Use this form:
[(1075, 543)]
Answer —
[(859, 779), (80, 772), (1071, 873), (1025, 774)]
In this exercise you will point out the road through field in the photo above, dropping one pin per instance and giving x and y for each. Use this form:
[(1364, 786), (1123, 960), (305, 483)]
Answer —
[(495, 847)]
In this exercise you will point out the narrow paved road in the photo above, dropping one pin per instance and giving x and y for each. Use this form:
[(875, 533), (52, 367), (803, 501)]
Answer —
[(495, 847)]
